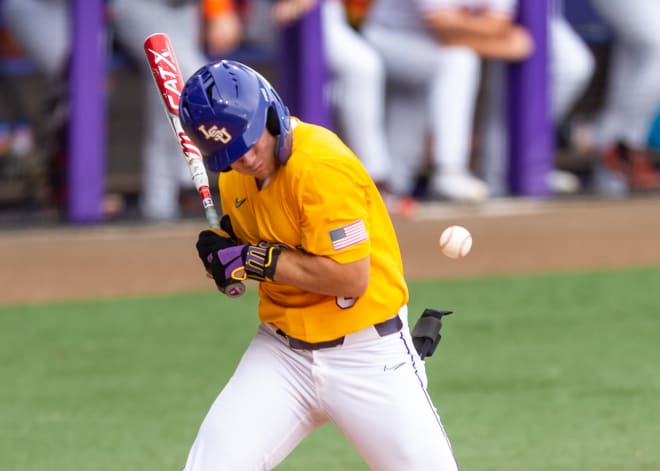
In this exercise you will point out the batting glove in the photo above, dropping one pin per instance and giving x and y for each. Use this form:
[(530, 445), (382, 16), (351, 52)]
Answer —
[(209, 242), (257, 262), (225, 225), (261, 261)]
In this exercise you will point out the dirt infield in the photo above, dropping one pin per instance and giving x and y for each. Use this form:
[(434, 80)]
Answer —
[(510, 237)]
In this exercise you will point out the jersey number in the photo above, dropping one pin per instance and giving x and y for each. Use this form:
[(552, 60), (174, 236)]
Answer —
[(345, 303)]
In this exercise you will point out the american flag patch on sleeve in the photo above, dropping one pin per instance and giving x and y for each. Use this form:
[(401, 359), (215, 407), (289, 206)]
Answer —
[(346, 236)]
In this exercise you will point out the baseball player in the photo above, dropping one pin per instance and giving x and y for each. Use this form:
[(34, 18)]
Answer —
[(305, 220), (571, 66), (431, 50), (633, 93), (164, 172), (572, 63), (42, 30), (26, 19), (355, 89), (358, 91)]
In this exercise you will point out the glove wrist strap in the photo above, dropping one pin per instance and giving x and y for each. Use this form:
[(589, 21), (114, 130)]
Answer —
[(261, 261)]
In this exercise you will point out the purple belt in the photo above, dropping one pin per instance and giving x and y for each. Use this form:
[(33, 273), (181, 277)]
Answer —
[(387, 327)]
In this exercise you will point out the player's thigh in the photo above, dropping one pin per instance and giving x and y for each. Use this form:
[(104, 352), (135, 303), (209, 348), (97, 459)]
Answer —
[(42, 29), (261, 414), (635, 22), (380, 403), (571, 59), (409, 57), (134, 20), (363, 62)]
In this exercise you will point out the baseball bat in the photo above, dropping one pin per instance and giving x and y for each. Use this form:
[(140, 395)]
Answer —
[(169, 81)]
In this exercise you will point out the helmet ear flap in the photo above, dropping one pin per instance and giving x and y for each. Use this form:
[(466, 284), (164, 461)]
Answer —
[(273, 122), (283, 137), (274, 129)]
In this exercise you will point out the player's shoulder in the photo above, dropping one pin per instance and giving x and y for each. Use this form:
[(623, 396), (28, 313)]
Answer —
[(318, 145), (320, 158), (306, 135)]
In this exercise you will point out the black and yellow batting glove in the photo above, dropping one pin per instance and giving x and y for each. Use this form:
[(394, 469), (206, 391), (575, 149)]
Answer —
[(260, 261)]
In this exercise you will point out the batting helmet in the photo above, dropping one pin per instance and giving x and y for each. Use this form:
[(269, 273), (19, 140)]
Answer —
[(225, 107)]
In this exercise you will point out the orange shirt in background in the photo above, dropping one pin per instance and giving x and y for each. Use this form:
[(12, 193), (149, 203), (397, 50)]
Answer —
[(217, 7)]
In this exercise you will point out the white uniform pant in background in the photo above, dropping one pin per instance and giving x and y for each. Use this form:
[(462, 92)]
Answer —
[(43, 30), (571, 67), (433, 87), (357, 90), (164, 169), (372, 388), (633, 95)]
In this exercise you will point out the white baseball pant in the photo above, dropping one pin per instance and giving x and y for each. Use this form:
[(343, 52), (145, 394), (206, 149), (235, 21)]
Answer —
[(372, 388), (633, 95)]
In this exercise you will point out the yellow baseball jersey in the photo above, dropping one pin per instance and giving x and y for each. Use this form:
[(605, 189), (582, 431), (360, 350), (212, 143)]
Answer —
[(323, 202)]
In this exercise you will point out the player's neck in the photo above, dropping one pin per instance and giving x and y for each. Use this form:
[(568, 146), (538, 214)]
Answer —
[(261, 184)]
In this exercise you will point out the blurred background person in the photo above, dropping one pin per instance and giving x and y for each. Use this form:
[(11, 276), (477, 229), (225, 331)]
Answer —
[(572, 63), (357, 93), (222, 27), (42, 30), (17, 157), (432, 52), (633, 91), (164, 172), (571, 67), (356, 89)]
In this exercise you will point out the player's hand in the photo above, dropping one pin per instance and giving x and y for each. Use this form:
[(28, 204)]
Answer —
[(236, 263), (226, 265), (210, 241), (285, 12), (225, 225)]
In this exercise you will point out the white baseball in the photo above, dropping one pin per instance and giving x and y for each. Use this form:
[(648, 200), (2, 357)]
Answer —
[(455, 242)]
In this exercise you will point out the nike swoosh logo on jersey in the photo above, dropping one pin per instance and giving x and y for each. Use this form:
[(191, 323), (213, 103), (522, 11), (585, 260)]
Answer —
[(395, 367), (238, 202)]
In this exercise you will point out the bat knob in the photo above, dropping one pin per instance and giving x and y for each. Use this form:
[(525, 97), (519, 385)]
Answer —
[(234, 290)]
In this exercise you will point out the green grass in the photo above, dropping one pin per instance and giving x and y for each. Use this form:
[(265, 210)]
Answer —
[(555, 372)]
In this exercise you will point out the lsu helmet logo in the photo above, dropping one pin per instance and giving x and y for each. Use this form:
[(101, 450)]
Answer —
[(215, 133)]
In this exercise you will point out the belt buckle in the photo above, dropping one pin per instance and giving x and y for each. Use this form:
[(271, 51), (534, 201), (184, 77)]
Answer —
[(390, 326)]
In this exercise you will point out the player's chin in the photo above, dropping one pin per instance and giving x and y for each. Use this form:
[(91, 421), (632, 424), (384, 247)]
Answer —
[(244, 169)]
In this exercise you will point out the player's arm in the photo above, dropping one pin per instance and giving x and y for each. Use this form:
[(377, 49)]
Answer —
[(286, 12), (491, 35), (448, 24), (514, 45), (323, 275), (226, 260)]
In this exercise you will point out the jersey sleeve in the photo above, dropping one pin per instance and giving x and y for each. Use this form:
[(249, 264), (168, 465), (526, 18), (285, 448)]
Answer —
[(334, 215)]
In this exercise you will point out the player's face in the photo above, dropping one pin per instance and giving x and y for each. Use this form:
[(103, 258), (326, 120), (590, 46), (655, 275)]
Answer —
[(259, 161)]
